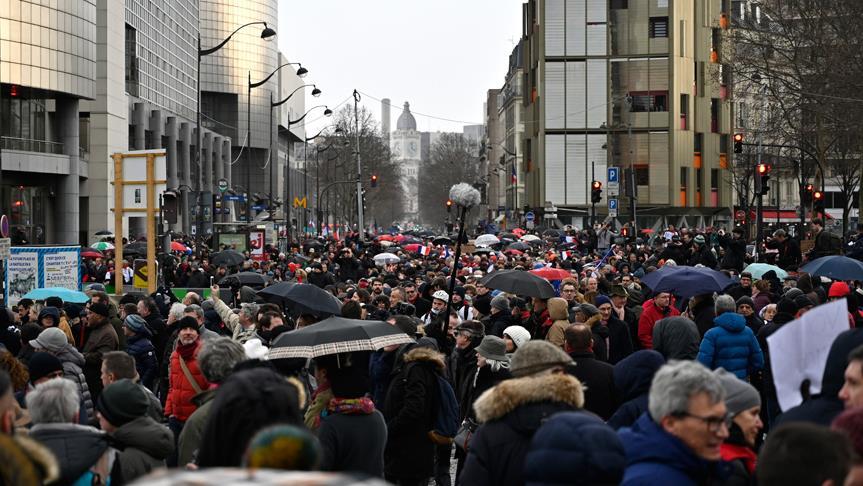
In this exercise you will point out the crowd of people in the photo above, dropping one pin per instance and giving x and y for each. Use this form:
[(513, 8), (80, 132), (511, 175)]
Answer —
[(608, 382)]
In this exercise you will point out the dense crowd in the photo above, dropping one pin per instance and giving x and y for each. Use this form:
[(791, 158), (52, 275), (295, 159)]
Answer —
[(609, 382)]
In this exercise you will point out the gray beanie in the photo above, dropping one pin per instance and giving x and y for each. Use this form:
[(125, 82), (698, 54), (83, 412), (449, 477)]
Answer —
[(589, 310), (739, 395), (537, 356), (501, 303)]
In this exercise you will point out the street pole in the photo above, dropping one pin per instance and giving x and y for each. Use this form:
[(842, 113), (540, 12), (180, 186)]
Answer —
[(305, 185), (633, 193), (592, 203), (272, 161), (248, 171), (199, 222), (360, 223), (317, 194)]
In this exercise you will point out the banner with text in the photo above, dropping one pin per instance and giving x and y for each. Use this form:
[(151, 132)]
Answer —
[(35, 267)]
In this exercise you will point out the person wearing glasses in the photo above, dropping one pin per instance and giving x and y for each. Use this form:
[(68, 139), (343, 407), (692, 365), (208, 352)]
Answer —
[(679, 439)]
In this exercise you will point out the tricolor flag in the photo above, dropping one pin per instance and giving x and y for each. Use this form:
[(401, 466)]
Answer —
[(446, 253), (424, 250), (565, 255), (570, 239), (514, 176)]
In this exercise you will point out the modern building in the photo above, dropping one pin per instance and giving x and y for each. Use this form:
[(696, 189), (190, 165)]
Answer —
[(82, 80), (47, 70), (642, 86)]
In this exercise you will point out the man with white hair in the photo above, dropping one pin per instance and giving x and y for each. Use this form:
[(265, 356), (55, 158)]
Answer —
[(677, 441), (82, 452), (243, 325)]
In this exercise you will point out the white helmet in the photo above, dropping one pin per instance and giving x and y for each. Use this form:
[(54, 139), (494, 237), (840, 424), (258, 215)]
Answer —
[(441, 295)]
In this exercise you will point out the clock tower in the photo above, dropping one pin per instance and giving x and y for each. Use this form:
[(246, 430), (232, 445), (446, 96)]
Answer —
[(405, 144)]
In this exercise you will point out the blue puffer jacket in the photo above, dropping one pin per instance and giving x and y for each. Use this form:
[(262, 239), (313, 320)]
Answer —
[(653, 456), (731, 345), (141, 348)]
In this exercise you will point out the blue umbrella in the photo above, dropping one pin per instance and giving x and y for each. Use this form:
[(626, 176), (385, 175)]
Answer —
[(759, 269), (686, 282), (835, 267), (68, 295)]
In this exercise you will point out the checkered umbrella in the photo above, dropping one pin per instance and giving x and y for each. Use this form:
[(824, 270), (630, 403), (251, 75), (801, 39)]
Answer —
[(336, 335)]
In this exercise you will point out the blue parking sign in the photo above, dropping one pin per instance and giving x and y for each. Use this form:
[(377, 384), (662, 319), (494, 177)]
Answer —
[(613, 174)]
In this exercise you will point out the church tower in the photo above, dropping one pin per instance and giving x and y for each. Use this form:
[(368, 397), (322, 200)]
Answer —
[(406, 150)]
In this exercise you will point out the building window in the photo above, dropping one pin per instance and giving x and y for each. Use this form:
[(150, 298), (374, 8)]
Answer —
[(714, 115), (619, 4), (642, 175), (684, 111), (131, 55), (644, 101), (658, 27)]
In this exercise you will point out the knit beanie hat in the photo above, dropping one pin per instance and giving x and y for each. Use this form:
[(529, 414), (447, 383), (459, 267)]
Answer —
[(500, 303), (838, 289), (518, 334), (122, 402), (739, 395), (188, 322), (745, 300), (285, 447), (537, 356), (135, 323), (786, 306), (803, 301), (589, 310), (42, 365), (601, 299)]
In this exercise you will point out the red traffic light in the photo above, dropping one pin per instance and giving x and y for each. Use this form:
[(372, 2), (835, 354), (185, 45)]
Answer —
[(597, 185), (763, 168), (810, 188), (374, 178), (13, 90), (818, 195), (449, 202), (738, 137)]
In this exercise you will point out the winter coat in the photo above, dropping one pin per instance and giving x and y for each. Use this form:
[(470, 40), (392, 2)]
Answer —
[(731, 345), (144, 445), (735, 253), (558, 312), (703, 256), (160, 332), (510, 413), (232, 321), (650, 315), (190, 437), (498, 322), (821, 409), (410, 412), (180, 393), (100, 340), (702, 315), (380, 373), (653, 456), (33, 462), (597, 378), (73, 361), (76, 447), (632, 378), (462, 370), (140, 348), (619, 341), (353, 443), (761, 299), (676, 338)]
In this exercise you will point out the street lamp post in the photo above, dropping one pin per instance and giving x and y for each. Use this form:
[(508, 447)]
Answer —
[(360, 224), (267, 34)]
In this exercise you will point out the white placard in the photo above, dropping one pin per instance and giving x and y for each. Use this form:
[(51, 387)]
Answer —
[(61, 269), (22, 275), (798, 350), (5, 246)]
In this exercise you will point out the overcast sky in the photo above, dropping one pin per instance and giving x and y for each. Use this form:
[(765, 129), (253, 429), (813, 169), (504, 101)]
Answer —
[(440, 55)]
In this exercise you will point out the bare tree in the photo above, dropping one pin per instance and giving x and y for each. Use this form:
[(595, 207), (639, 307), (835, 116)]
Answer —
[(453, 159)]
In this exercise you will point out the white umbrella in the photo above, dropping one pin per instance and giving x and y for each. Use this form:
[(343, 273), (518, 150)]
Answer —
[(530, 238), (385, 243), (486, 240), (382, 259)]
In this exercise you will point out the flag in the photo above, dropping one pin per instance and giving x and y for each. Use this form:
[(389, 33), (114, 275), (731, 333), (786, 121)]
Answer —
[(336, 236), (446, 253), (514, 176), (565, 255), (424, 250)]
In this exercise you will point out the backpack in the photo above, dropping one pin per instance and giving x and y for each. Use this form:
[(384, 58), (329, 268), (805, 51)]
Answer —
[(446, 421)]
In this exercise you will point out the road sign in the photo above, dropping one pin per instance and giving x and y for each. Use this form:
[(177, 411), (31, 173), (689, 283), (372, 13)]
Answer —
[(223, 185), (529, 217), (613, 181), (612, 208), (234, 198), (5, 245)]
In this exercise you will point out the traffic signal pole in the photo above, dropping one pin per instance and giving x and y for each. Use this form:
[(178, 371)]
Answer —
[(759, 210)]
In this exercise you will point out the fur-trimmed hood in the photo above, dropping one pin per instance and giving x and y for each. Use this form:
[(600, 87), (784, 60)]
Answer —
[(591, 322), (511, 394), (422, 353)]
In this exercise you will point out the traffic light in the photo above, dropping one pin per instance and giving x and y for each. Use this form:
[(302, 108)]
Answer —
[(738, 143), (374, 180), (595, 192), (807, 194), (763, 179), (449, 205), (818, 198), (169, 207)]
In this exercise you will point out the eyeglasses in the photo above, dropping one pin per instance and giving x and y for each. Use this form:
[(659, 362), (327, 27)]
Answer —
[(714, 424), (568, 291)]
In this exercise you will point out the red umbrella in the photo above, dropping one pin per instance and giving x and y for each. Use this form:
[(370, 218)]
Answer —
[(385, 238), (518, 231), (177, 246), (514, 252), (413, 247), (91, 253), (550, 273)]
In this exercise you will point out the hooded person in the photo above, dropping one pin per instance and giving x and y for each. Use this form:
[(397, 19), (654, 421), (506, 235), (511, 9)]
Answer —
[(676, 338), (144, 444), (53, 341), (512, 411), (139, 346), (632, 378), (574, 448), (558, 312), (822, 408), (49, 316), (731, 344)]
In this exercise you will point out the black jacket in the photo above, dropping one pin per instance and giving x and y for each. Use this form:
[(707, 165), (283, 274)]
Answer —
[(789, 256), (409, 411), (76, 447), (462, 370), (510, 414), (144, 446), (353, 443), (619, 340), (497, 323), (632, 378), (826, 243), (735, 253), (597, 378)]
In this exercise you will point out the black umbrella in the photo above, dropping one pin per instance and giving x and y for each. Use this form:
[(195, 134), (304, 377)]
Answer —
[(309, 244), (552, 233), (518, 245), (302, 299), (410, 240), (442, 240), (230, 258), (252, 279), (104, 233), (336, 335), (480, 251), (137, 248), (835, 267), (519, 282)]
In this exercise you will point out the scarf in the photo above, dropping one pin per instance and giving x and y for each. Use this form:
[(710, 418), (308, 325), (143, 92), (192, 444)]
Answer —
[(350, 406), (320, 399), (733, 452), (187, 351)]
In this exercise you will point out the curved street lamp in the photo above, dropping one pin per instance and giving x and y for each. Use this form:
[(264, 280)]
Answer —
[(267, 34)]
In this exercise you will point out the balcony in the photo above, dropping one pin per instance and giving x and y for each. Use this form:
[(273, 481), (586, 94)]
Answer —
[(31, 145)]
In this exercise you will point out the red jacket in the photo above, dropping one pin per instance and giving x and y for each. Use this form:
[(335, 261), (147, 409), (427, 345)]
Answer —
[(180, 392), (650, 315)]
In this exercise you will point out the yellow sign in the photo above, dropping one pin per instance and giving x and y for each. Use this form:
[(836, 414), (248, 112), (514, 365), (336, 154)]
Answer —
[(299, 202), (140, 279)]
